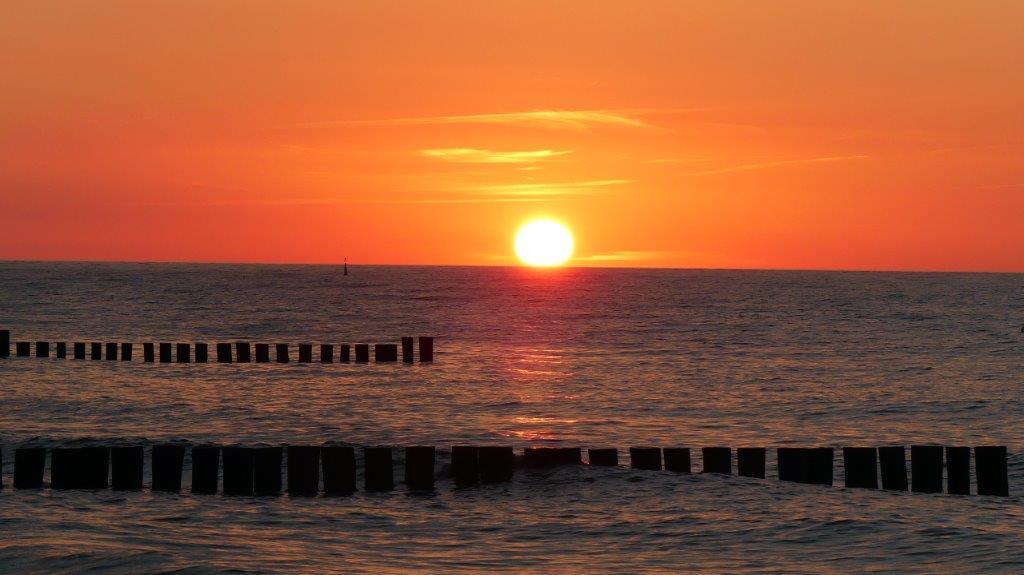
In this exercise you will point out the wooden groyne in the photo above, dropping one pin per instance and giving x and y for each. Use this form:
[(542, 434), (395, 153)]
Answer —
[(199, 352), (310, 470)]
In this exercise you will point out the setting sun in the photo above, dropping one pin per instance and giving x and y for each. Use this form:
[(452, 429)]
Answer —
[(544, 243)]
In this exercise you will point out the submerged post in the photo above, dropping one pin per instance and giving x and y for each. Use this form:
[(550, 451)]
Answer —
[(62, 349), (223, 353), (126, 351), (23, 349), (262, 353), (29, 463), (79, 467), (5, 343), (165, 352), (860, 467), (147, 352), (362, 352), (378, 474), (606, 456), (426, 349), (793, 465), (282, 352), (42, 349), (111, 351), (893, 461), (990, 469), (126, 467), (958, 470), (238, 470), (303, 470), (385, 352), (345, 353), (407, 350), (202, 353), (205, 467), (326, 353), (305, 353), (184, 353), (717, 460), (95, 350), (465, 464), (677, 459), (648, 458), (496, 463), (339, 469), (419, 467), (243, 352), (167, 461), (79, 349), (750, 461), (267, 470), (926, 468)]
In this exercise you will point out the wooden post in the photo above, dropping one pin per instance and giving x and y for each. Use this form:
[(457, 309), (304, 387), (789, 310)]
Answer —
[(262, 353), (95, 350), (303, 470), (750, 461), (184, 353), (267, 470), (385, 352), (793, 465), (608, 457), (126, 351), (717, 460), (345, 353), (23, 349), (419, 467), (465, 464), (407, 350), (111, 351), (426, 349), (820, 470), (990, 470), (648, 458), (305, 353), (339, 469), (147, 352), (860, 467), (362, 352), (79, 350), (29, 463), (62, 349), (238, 470), (243, 352), (326, 353), (496, 463), (223, 353), (677, 459), (926, 468), (79, 467), (893, 461), (282, 352), (205, 466), (202, 353), (958, 470), (42, 349), (165, 352), (5, 343), (378, 474), (166, 463), (126, 467)]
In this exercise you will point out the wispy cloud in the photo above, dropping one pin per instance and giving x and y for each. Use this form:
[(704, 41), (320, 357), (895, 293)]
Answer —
[(624, 256), (549, 119), (775, 164), (548, 189), (478, 156)]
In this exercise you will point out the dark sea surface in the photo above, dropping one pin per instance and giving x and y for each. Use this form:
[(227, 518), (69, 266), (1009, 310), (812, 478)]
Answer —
[(569, 357)]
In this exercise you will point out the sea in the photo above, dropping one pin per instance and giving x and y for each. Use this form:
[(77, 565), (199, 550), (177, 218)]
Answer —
[(523, 357)]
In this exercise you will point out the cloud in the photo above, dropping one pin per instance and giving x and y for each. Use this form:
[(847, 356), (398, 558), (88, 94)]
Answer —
[(548, 119), (549, 189), (764, 165), (624, 256), (478, 156)]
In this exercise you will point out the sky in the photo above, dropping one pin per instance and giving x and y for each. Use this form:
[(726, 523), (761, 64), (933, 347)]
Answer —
[(862, 135)]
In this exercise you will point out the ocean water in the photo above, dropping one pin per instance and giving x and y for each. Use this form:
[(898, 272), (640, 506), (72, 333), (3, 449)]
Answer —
[(569, 357)]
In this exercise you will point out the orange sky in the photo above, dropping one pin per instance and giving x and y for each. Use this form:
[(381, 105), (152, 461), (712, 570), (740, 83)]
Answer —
[(783, 134)]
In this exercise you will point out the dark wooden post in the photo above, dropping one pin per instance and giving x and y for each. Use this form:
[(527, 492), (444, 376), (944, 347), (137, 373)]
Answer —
[(750, 461), (648, 458), (426, 349), (326, 353), (717, 460), (407, 350), (378, 473), (608, 457), (79, 349), (42, 349), (926, 468), (184, 353), (5, 343), (465, 464), (677, 459), (167, 461), (282, 352), (362, 352), (29, 463), (267, 470), (305, 352), (62, 349), (990, 469), (147, 352), (238, 470), (262, 353), (385, 352), (821, 461), (126, 467), (205, 466), (792, 464), (303, 470), (339, 469), (860, 467), (958, 470), (111, 351), (893, 461), (243, 352), (126, 351), (165, 352), (79, 467), (223, 353), (23, 349), (419, 467), (202, 353), (345, 353), (496, 463), (95, 350)]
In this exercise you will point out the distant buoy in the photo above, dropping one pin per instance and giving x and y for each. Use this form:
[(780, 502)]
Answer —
[(346, 273)]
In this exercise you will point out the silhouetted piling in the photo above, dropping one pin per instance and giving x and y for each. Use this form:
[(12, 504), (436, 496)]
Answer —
[(166, 464), (552, 456), (717, 460), (648, 458), (362, 352), (750, 461), (303, 470), (267, 470), (926, 468), (385, 352), (305, 352), (223, 353), (893, 461), (407, 350), (677, 459), (79, 467), (326, 353), (262, 353), (126, 467), (344, 353), (165, 352), (5, 343), (426, 349), (23, 349), (111, 351), (29, 463), (339, 469), (202, 353), (465, 464), (79, 350), (42, 349), (606, 456), (821, 461), (238, 470), (990, 470), (243, 352), (496, 463), (860, 467), (958, 470), (183, 353), (378, 472), (793, 464), (95, 350), (126, 351), (281, 352), (205, 466), (419, 467), (147, 353), (62, 350)]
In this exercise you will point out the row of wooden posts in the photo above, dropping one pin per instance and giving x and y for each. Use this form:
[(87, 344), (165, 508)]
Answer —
[(239, 352), (257, 470)]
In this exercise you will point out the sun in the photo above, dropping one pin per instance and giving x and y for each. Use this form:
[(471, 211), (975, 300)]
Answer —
[(543, 243)]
